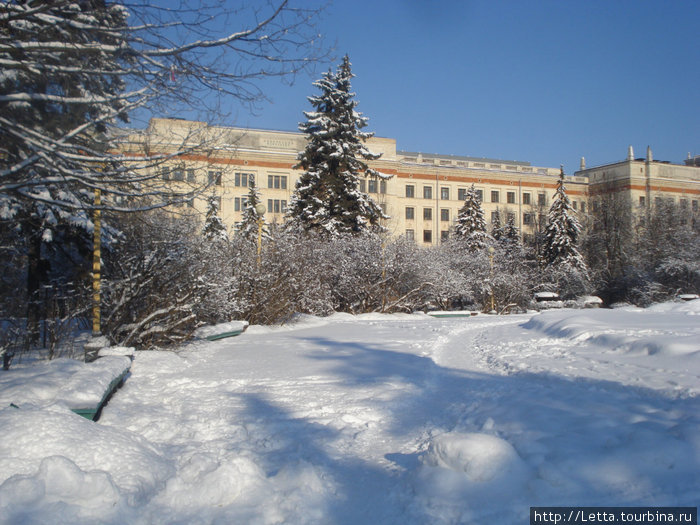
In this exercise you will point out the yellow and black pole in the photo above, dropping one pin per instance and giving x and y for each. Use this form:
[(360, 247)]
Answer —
[(96, 264)]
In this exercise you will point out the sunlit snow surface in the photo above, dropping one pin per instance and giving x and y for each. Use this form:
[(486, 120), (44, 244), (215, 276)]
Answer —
[(378, 419)]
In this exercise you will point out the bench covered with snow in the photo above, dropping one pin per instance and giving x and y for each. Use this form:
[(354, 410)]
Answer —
[(82, 387), (221, 331), (445, 314)]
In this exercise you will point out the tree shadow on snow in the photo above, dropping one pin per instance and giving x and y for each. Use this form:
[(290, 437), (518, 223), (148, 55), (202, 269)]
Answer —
[(595, 442), (351, 490)]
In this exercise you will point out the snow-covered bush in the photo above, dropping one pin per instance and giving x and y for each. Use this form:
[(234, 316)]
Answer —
[(153, 281)]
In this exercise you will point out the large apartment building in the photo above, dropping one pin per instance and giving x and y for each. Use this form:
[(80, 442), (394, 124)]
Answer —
[(423, 196)]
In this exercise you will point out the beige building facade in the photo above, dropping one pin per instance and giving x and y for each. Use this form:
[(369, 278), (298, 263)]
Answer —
[(645, 183), (423, 195)]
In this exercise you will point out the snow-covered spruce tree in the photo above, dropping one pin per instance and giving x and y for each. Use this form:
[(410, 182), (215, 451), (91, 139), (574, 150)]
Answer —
[(563, 264), (510, 232), (327, 197), (248, 228), (214, 229), (471, 225), (496, 226), (562, 232)]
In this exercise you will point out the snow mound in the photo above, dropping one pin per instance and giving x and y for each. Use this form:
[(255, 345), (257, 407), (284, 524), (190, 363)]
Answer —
[(658, 330), (481, 457), (45, 445), (460, 471), (205, 480), (58, 482)]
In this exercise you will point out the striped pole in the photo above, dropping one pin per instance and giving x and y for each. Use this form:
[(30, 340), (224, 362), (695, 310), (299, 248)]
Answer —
[(96, 265)]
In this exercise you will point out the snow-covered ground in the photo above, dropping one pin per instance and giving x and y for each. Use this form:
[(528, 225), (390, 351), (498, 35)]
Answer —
[(377, 419)]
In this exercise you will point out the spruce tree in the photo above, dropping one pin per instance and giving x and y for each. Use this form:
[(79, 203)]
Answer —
[(496, 227), (214, 229), (562, 232), (248, 228), (471, 225), (510, 233), (327, 197)]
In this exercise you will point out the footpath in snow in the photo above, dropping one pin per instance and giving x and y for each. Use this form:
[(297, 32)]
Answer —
[(377, 419)]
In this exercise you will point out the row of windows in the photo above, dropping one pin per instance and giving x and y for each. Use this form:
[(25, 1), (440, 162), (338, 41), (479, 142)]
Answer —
[(427, 236), (683, 203), (427, 214), (240, 179), (273, 205), (528, 218), (462, 195), (372, 186)]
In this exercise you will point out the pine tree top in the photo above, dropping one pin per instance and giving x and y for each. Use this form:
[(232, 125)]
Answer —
[(327, 197)]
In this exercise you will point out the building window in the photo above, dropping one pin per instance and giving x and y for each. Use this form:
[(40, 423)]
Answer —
[(240, 203), (510, 197), (684, 204), (445, 194), (445, 215), (372, 185), (574, 204), (428, 236), (244, 180), (427, 192), (694, 205), (191, 175), (526, 199), (444, 235), (165, 173), (214, 177), (410, 213), (542, 199), (527, 219), (642, 201), (276, 206), (480, 195), (382, 186), (410, 191), (495, 216), (494, 196), (427, 214), (178, 174), (410, 235), (363, 185), (277, 182), (583, 207), (461, 194)]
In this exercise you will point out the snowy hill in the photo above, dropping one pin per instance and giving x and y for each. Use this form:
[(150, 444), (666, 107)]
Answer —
[(378, 419)]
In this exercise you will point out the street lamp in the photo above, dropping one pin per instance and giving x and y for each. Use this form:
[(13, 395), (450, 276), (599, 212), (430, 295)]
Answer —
[(491, 251), (260, 211)]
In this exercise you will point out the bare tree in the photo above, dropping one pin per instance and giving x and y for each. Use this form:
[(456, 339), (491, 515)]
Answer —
[(71, 70)]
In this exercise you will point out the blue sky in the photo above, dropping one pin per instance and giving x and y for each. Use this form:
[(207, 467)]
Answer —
[(539, 81)]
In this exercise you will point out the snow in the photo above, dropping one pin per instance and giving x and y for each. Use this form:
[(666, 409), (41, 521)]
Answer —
[(376, 419), (65, 381)]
